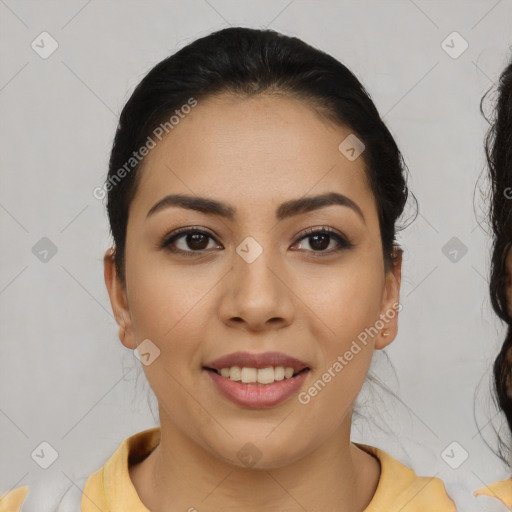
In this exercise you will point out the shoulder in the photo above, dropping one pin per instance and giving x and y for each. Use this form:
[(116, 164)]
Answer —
[(399, 488), (58, 493), (501, 491), (11, 501), (47, 494)]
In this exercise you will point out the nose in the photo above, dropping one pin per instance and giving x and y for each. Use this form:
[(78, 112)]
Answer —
[(257, 295)]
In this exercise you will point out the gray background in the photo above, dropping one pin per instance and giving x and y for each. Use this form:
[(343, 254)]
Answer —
[(66, 379)]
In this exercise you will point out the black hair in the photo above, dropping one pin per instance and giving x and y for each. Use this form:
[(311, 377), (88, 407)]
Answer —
[(498, 149), (246, 62)]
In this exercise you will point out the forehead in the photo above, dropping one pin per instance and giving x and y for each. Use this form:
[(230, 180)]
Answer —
[(258, 150)]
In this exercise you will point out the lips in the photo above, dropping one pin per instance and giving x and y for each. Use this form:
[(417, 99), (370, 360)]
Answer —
[(263, 360), (257, 380)]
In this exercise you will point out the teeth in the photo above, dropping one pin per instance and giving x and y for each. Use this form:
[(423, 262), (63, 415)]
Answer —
[(234, 373), (260, 375), (279, 373), (249, 375), (266, 375)]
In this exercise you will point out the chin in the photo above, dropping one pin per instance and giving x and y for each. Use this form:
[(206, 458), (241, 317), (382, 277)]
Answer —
[(255, 452)]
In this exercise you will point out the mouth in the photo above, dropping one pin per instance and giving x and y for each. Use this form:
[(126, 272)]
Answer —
[(257, 380), (252, 368), (258, 376)]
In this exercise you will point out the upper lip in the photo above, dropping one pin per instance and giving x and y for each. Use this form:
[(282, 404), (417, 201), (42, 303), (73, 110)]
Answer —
[(263, 360)]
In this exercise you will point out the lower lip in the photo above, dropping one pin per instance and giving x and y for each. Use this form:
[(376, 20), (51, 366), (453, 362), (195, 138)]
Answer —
[(257, 396)]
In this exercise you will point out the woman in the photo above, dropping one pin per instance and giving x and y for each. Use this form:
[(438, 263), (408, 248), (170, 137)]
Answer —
[(499, 157), (253, 192)]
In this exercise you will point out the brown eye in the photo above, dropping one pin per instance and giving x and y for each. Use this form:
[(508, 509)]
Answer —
[(320, 239), (188, 241), (196, 241)]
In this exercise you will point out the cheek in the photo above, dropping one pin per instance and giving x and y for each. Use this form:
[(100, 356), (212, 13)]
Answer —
[(164, 296), (343, 307), (168, 311), (343, 301), (168, 308)]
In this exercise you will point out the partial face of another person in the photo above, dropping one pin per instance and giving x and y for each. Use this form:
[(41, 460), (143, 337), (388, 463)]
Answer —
[(306, 284)]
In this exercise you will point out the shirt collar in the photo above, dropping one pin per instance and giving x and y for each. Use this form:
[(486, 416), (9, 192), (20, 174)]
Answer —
[(401, 488), (119, 489), (398, 485)]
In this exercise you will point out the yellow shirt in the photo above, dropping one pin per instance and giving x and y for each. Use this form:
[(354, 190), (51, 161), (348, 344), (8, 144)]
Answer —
[(501, 490), (110, 489)]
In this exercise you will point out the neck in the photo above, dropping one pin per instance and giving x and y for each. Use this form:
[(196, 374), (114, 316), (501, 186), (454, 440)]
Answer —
[(181, 475)]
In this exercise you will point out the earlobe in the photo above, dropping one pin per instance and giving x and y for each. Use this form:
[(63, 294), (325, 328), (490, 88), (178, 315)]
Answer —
[(118, 299), (385, 337), (391, 303)]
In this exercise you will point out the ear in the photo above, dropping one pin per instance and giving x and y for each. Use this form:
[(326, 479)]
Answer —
[(118, 300), (390, 302)]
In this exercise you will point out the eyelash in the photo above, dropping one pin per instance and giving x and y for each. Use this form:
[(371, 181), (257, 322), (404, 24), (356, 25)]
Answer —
[(343, 243)]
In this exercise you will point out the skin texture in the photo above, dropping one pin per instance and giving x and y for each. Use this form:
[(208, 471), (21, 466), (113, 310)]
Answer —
[(253, 154)]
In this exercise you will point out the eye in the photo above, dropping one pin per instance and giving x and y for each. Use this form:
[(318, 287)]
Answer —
[(320, 239), (192, 240)]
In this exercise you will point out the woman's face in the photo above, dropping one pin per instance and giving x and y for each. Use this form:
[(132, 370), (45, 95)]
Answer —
[(253, 281)]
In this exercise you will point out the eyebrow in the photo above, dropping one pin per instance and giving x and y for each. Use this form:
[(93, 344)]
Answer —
[(284, 211)]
